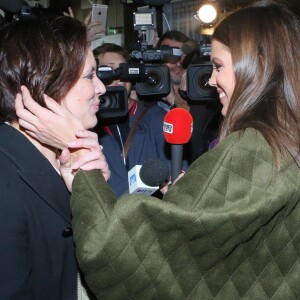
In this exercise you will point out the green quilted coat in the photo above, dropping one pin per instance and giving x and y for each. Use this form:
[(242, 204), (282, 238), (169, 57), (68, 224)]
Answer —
[(229, 229)]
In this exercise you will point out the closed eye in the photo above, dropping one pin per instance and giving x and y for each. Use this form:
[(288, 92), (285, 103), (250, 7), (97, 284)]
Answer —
[(90, 76), (217, 67)]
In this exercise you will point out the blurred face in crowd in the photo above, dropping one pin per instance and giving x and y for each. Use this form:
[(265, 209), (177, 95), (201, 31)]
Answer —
[(83, 98), (222, 77), (176, 70), (113, 60)]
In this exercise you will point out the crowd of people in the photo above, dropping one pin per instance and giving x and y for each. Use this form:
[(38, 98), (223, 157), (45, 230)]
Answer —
[(228, 228), (137, 136)]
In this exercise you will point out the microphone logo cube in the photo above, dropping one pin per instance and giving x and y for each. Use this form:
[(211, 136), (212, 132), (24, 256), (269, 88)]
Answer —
[(136, 185), (168, 128), (132, 179)]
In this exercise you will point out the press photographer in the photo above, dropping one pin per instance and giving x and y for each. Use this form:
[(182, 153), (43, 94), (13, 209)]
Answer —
[(144, 69), (203, 99), (137, 134), (199, 69)]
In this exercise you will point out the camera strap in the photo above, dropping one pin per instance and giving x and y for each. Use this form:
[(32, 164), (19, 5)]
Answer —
[(132, 131)]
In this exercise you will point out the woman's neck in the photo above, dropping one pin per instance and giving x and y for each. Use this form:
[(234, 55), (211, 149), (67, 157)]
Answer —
[(49, 152)]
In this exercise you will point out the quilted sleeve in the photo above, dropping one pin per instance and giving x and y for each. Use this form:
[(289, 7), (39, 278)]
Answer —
[(215, 233)]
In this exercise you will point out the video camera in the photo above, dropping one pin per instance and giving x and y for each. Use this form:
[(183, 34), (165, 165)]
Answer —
[(198, 88), (199, 69), (151, 79)]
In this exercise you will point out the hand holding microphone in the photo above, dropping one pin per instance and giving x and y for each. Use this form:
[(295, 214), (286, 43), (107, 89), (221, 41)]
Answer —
[(149, 177), (178, 128)]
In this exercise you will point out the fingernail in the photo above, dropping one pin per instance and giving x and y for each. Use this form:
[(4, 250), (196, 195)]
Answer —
[(72, 144)]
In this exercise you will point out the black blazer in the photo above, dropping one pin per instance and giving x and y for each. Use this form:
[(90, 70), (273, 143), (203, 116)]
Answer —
[(37, 257)]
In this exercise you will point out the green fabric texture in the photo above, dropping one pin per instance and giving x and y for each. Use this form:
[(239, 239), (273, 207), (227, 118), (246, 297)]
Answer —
[(228, 229)]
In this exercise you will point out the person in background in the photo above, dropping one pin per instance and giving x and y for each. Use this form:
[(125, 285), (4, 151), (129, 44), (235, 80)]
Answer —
[(206, 116), (138, 136), (37, 254), (176, 39)]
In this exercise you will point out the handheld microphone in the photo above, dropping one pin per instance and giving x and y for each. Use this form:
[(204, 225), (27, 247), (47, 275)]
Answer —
[(178, 128), (147, 178), (12, 6)]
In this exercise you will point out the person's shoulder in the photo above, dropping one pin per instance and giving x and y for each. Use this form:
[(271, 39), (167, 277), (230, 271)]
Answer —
[(248, 137), (156, 111), (245, 142)]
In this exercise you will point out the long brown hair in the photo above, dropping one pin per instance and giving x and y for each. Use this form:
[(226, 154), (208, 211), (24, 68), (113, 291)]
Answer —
[(264, 41), (46, 56)]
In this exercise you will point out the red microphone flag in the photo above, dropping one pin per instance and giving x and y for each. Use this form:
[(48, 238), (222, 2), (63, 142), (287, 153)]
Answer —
[(178, 126)]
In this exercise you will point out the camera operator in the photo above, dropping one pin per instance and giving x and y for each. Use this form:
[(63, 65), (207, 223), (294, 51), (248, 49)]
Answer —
[(139, 134), (176, 39)]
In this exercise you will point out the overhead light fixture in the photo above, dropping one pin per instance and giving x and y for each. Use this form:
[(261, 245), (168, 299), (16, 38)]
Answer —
[(208, 14)]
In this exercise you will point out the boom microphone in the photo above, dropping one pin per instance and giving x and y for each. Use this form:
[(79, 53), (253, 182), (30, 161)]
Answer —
[(148, 178), (178, 128), (12, 6)]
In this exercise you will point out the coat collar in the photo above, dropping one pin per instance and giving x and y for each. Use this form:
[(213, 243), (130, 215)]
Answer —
[(35, 170)]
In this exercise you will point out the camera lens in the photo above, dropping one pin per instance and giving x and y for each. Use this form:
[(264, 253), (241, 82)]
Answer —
[(198, 87), (153, 79), (114, 103), (109, 101), (203, 81)]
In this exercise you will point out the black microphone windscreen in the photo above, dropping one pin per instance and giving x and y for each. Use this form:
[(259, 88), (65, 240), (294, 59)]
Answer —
[(154, 172), (11, 6)]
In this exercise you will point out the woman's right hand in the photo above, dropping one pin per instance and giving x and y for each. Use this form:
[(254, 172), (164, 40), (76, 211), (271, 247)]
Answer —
[(164, 188), (83, 153), (54, 126)]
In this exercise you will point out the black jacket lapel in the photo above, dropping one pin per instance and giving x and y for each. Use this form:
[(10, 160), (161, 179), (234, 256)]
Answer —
[(35, 170)]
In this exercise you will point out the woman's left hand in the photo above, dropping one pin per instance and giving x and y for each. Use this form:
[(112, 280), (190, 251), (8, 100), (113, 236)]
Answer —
[(90, 157)]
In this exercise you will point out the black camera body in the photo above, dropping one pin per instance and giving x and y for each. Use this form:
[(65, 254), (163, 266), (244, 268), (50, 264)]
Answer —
[(163, 53), (150, 80), (156, 83), (198, 88), (114, 103)]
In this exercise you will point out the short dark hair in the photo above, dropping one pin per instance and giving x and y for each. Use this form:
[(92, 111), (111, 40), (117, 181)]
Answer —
[(110, 47), (174, 35), (45, 56)]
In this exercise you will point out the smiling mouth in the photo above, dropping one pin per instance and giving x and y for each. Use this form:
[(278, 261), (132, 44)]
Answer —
[(222, 95)]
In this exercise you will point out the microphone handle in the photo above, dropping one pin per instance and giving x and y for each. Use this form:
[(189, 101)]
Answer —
[(177, 151)]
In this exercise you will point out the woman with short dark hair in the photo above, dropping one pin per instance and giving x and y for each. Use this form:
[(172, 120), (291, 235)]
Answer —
[(37, 254)]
